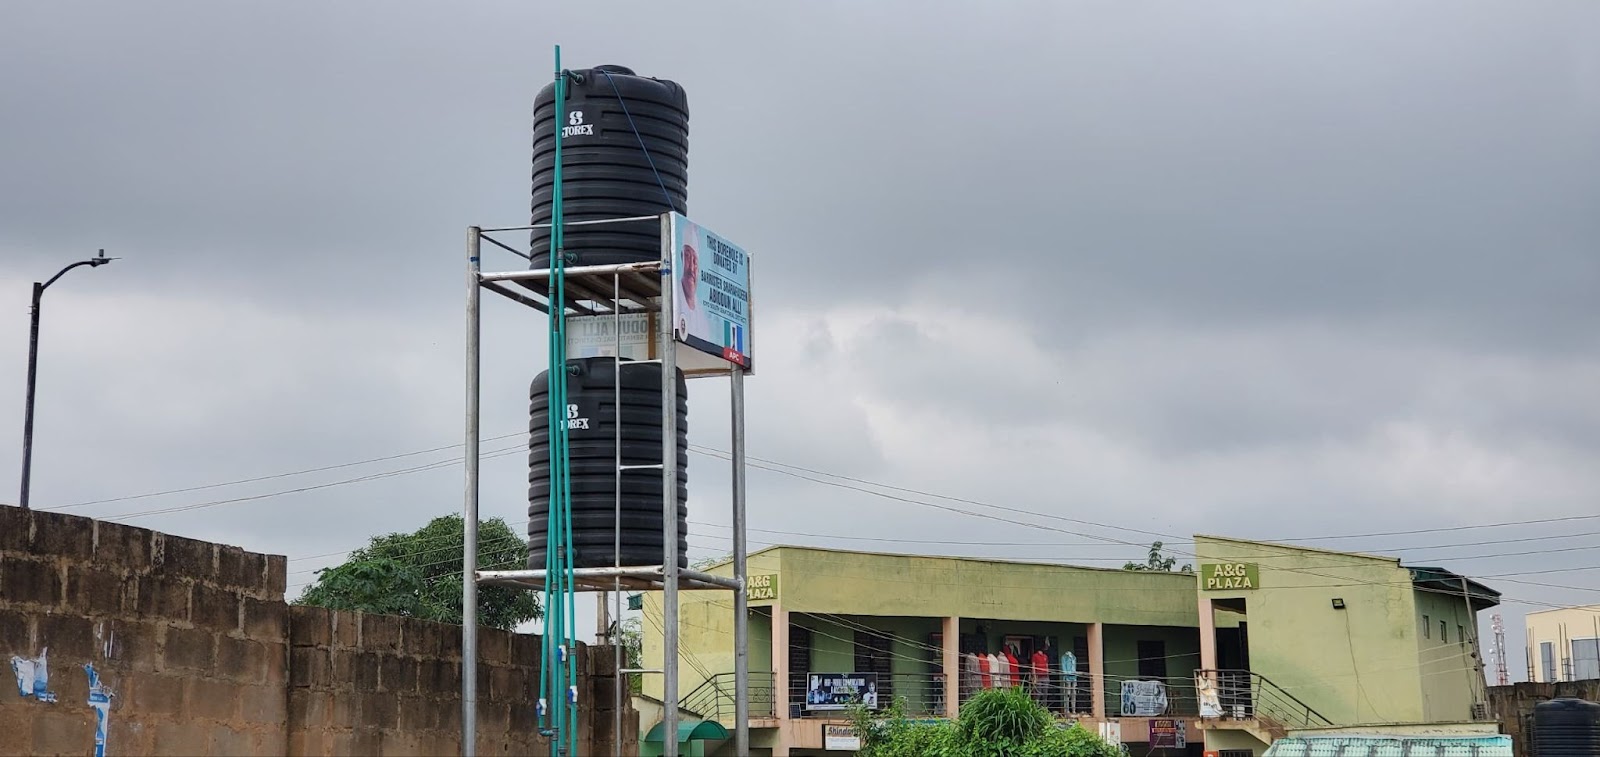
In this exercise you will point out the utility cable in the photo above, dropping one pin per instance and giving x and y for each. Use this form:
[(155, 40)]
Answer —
[(439, 465), (1304, 571), (642, 148), (270, 477)]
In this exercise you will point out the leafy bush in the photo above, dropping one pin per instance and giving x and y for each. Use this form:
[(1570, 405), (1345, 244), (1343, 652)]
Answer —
[(1002, 718), (994, 723)]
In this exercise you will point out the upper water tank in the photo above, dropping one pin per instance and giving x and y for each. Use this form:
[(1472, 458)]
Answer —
[(624, 153), (1566, 728), (591, 418)]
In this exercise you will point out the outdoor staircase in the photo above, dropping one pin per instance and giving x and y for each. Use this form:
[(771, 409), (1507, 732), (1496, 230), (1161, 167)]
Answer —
[(1252, 703)]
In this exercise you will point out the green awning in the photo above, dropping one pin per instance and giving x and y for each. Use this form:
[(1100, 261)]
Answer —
[(703, 730)]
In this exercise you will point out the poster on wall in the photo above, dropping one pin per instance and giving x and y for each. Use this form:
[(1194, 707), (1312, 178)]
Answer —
[(1167, 733), (837, 691), (710, 292), (1143, 699)]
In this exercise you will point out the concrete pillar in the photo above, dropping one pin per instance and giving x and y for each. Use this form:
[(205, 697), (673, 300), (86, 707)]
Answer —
[(780, 678), (1208, 634), (1097, 673), (952, 666)]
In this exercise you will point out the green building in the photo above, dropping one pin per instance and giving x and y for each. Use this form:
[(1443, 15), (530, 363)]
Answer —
[(1260, 639)]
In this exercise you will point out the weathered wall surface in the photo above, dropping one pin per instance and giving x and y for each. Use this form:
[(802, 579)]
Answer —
[(1300, 642), (1513, 706), (189, 637), (202, 656)]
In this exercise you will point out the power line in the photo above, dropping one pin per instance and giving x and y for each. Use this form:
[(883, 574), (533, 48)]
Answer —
[(438, 465), (270, 477)]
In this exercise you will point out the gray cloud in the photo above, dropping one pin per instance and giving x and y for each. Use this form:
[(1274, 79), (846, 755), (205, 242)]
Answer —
[(1263, 270)]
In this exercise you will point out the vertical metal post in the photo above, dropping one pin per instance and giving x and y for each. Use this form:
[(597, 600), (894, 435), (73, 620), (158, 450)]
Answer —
[(741, 613), (33, 377), (1479, 683), (469, 514), (669, 496), (616, 536)]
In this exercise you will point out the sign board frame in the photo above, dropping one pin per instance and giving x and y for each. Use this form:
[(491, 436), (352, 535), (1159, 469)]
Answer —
[(1168, 733), (710, 280), (1232, 575), (761, 587), (839, 738), (595, 336), (835, 692)]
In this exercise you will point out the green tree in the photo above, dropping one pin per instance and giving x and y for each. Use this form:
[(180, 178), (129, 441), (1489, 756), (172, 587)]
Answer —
[(419, 575), (630, 634), (1156, 561), (994, 723)]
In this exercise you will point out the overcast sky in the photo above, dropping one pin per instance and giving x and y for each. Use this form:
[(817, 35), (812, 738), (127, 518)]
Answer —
[(1257, 269)]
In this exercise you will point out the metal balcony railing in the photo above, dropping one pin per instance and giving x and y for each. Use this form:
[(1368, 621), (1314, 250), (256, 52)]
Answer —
[(713, 699), (1177, 694), (921, 694), (1242, 694)]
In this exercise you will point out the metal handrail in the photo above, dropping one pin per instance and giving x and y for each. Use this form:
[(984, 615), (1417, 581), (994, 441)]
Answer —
[(918, 693), (713, 699), (1242, 693)]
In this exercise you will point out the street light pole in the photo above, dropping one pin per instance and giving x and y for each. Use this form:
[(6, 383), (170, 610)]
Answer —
[(33, 367)]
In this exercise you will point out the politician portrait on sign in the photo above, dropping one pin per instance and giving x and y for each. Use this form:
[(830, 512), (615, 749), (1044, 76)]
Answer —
[(692, 319)]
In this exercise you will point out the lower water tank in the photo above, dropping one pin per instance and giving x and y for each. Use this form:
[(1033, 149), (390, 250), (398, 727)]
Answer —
[(1566, 728), (591, 417)]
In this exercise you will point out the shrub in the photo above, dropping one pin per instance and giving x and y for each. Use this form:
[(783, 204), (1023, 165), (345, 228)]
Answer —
[(994, 723)]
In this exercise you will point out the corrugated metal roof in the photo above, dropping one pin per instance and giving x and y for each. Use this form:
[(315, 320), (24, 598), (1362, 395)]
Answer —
[(1391, 746)]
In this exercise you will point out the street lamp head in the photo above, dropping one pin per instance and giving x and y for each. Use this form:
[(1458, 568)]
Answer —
[(101, 259)]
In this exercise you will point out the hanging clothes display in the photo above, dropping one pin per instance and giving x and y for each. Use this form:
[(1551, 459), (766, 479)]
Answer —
[(1040, 670), (986, 670), (969, 675), (1069, 674), (1002, 670), (1013, 669)]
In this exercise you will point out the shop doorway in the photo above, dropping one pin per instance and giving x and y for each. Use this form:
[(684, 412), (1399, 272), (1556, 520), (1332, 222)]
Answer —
[(1231, 618)]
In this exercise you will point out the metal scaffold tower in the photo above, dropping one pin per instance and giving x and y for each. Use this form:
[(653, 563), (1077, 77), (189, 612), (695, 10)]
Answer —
[(609, 292)]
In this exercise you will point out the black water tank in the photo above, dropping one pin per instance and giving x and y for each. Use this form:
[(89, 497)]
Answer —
[(1566, 728), (624, 153), (591, 439)]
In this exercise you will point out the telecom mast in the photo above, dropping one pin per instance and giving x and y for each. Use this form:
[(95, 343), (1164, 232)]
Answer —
[(1499, 651)]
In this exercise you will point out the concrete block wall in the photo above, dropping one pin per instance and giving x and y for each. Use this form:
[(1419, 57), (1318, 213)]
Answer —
[(1513, 706), (203, 656), (372, 684), (189, 636)]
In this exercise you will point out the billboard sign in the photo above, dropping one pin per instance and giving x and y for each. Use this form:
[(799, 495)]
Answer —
[(840, 738), (837, 691), (1229, 576), (596, 336), (710, 292), (761, 588)]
